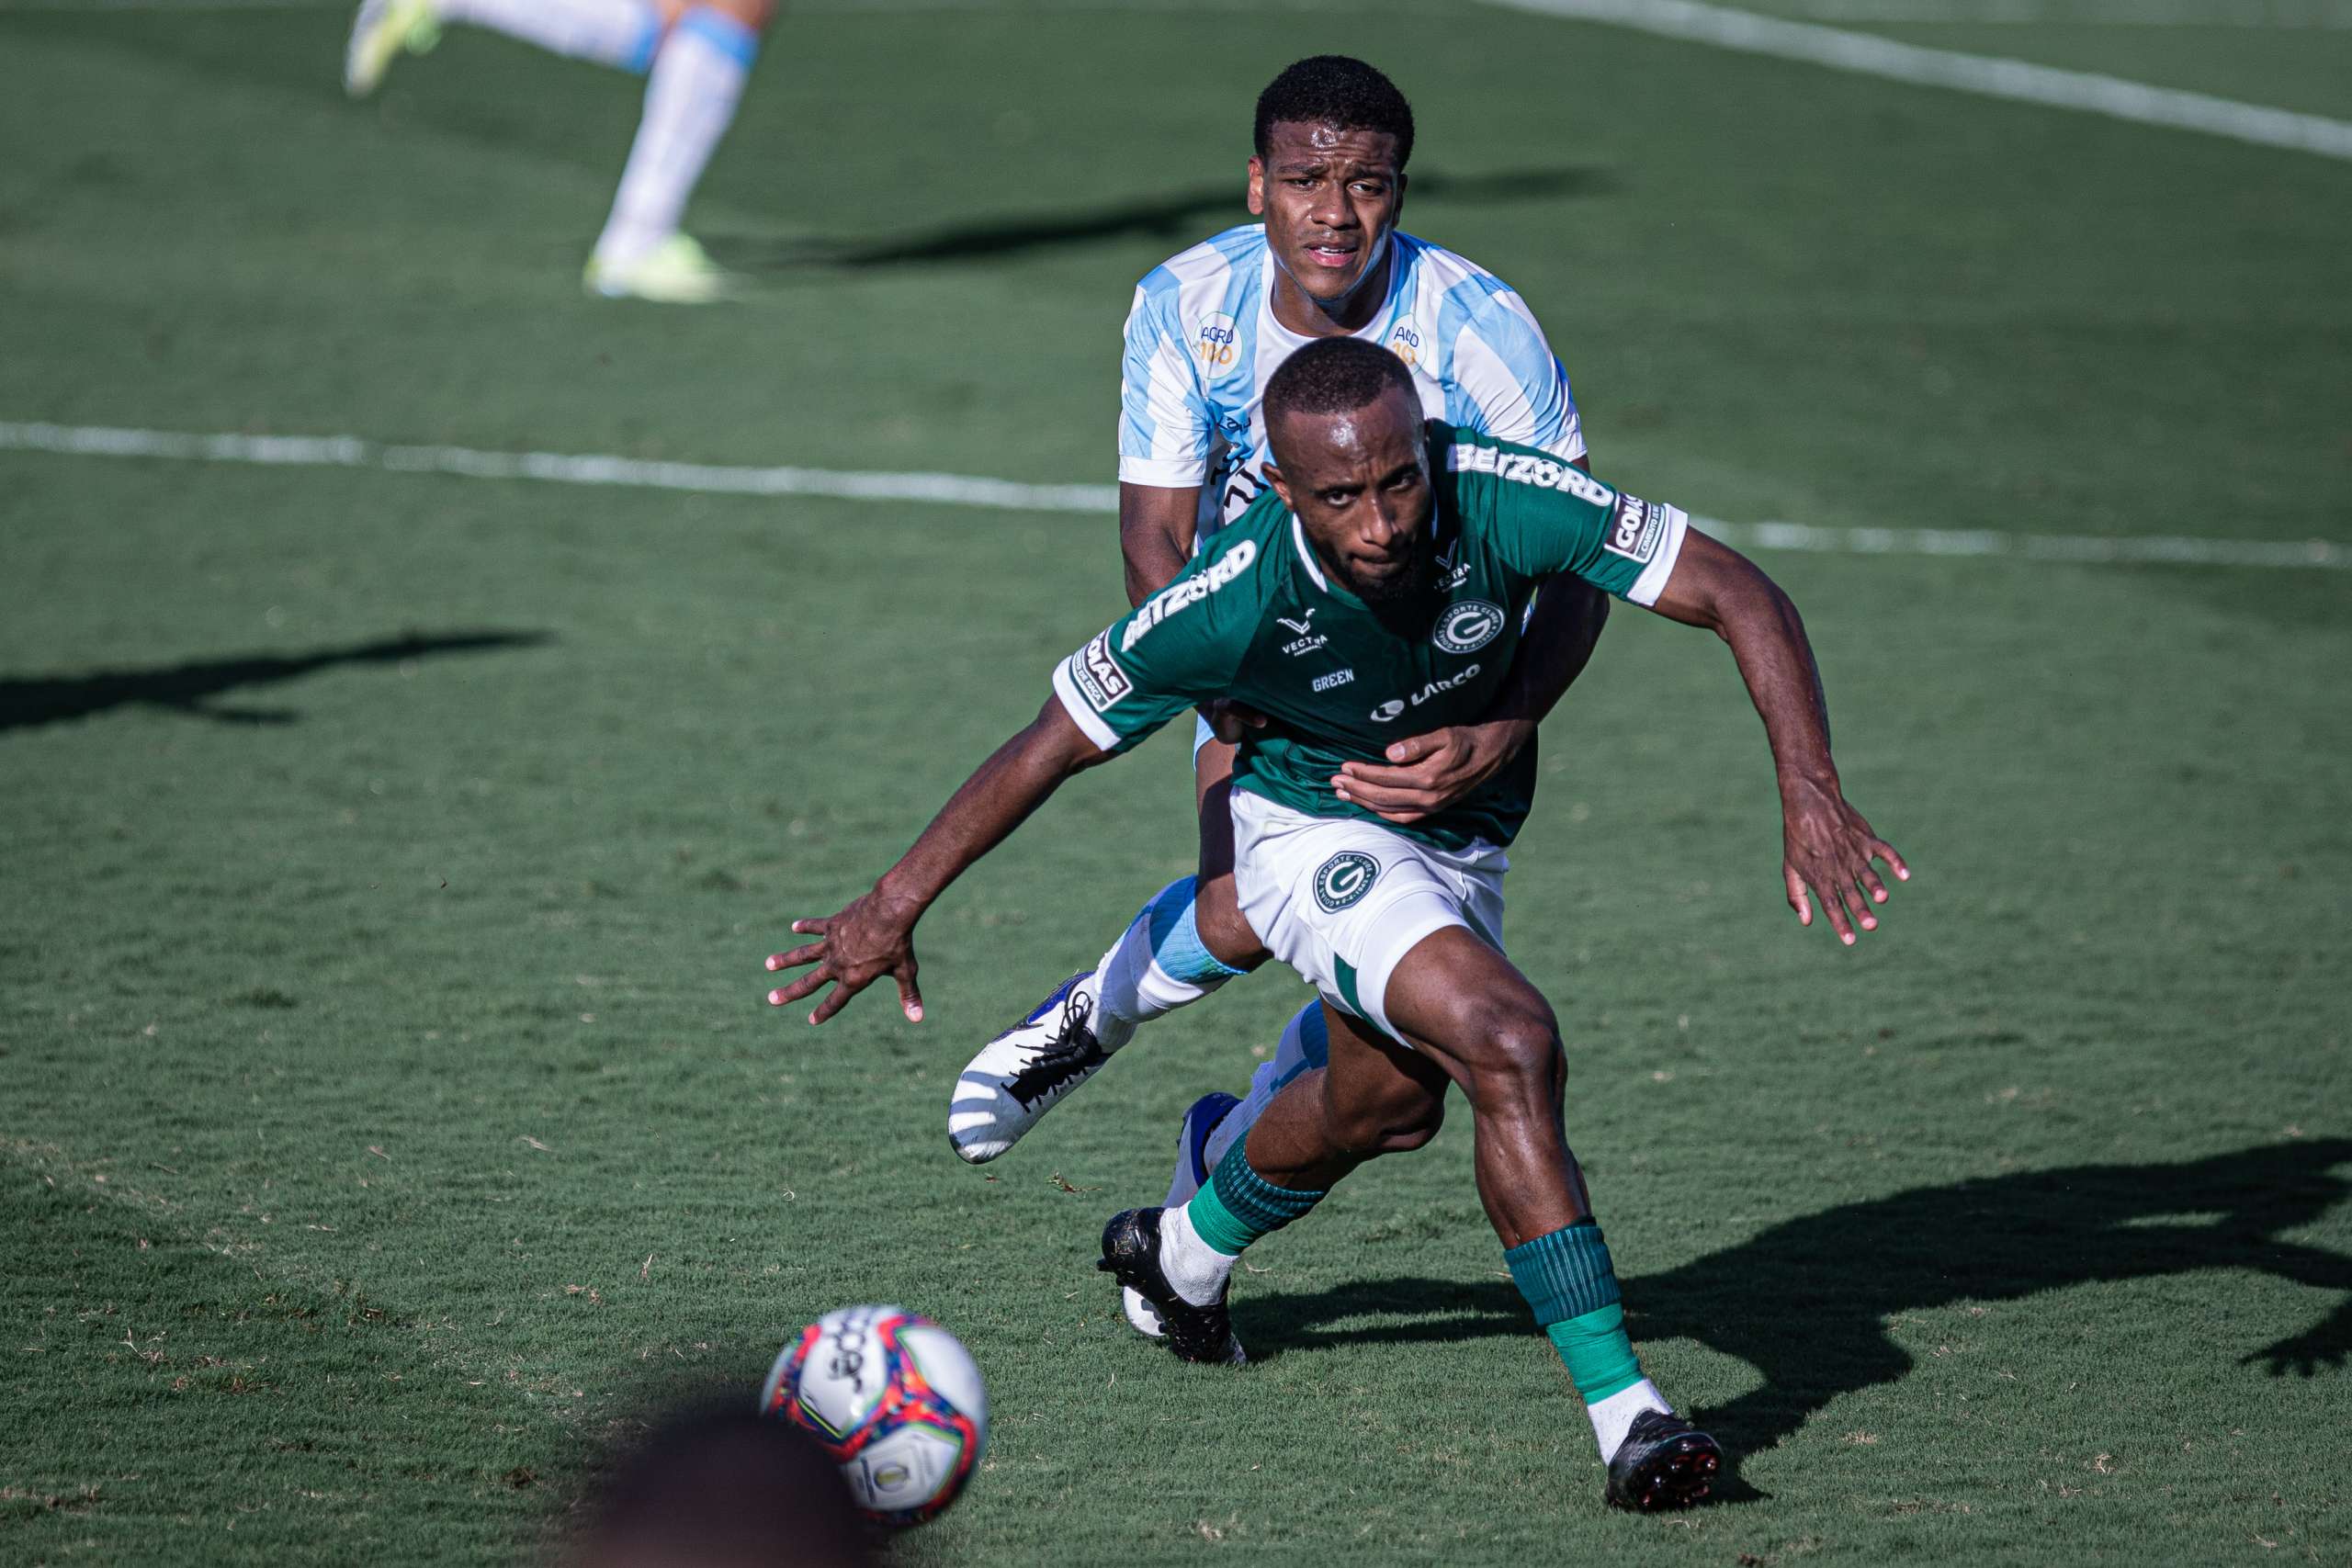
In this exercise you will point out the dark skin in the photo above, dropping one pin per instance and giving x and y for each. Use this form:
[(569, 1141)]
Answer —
[(1332, 199), (1360, 485)]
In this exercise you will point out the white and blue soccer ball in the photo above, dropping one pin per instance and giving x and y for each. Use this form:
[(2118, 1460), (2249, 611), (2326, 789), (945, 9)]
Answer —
[(894, 1398)]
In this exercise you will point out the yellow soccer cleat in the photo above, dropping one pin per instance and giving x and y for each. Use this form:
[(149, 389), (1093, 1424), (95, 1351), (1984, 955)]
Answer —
[(379, 33), (676, 272)]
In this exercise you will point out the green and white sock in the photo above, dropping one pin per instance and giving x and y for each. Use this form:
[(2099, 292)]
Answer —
[(1199, 1242), (1571, 1286)]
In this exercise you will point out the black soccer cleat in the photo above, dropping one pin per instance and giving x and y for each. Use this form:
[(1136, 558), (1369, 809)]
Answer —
[(1131, 1253), (1665, 1462)]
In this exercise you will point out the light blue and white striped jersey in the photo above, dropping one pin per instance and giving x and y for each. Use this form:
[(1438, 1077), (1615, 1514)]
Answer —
[(1201, 340)]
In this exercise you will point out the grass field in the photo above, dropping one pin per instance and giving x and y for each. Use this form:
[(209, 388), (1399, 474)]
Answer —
[(388, 1114)]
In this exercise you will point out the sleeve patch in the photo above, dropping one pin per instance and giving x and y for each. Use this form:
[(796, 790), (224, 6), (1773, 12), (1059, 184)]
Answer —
[(1635, 526), (1520, 468), (1097, 676)]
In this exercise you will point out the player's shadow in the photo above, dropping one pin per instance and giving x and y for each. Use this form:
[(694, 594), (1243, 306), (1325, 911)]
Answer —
[(1172, 218), (196, 688), (1808, 1301)]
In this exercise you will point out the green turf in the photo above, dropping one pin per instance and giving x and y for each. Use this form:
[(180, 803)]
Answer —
[(387, 1113)]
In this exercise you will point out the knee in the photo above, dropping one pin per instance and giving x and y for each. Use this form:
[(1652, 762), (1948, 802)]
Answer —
[(754, 14), (1224, 931), (1525, 1062)]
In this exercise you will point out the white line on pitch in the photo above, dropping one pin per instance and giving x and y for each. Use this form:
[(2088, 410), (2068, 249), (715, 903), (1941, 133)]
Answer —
[(965, 490), (1867, 54)]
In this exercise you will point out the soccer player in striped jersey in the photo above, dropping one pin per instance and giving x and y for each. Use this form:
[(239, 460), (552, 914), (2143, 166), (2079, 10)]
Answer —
[(696, 56), (1207, 329)]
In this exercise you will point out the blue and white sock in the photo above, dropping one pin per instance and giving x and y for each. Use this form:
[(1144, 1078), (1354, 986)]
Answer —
[(690, 98), (621, 33), (1306, 1045), (1158, 964)]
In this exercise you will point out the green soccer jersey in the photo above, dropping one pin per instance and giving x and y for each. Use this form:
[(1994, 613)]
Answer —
[(1256, 619)]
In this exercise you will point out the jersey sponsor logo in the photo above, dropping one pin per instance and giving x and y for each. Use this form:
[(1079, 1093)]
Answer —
[(1405, 343), (1191, 590), (1097, 676), (1336, 677), (1216, 344), (1635, 529), (1468, 627), (1393, 706), (1344, 879), (1307, 640), (1523, 467)]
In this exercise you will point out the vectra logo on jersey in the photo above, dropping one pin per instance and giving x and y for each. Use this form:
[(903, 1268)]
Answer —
[(1217, 343), (1468, 627), (1344, 879), (1405, 343)]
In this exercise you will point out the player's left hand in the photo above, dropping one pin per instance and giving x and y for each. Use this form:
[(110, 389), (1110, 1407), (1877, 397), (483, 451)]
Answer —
[(1429, 772), (1827, 848), (873, 936)]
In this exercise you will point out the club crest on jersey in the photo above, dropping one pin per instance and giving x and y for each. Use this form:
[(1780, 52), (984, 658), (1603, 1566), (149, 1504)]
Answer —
[(1635, 529), (1344, 879), (1217, 343), (1189, 590), (1468, 627), (1405, 343)]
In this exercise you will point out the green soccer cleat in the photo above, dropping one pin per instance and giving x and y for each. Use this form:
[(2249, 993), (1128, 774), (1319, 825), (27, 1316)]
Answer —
[(678, 271), (379, 33)]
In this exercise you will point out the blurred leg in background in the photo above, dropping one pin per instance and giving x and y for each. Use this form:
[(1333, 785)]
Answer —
[(695, 58)]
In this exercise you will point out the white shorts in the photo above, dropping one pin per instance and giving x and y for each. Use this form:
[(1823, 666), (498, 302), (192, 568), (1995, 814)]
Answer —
[(1342, 901)]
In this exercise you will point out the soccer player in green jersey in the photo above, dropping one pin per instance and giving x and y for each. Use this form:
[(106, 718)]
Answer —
[(1416, 545)]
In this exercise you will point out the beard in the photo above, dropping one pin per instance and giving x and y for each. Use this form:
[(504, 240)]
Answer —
[(1404, 602)]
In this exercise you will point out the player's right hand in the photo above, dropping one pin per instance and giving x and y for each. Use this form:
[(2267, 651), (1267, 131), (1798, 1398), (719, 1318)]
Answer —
[(871, 938)]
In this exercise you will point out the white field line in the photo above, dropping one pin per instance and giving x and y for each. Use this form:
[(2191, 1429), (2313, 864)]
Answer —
[(1866, 55), (964, 490)]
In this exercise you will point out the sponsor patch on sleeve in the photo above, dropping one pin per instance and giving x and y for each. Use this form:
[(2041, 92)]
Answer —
[(1634, 528), (1097, 676)]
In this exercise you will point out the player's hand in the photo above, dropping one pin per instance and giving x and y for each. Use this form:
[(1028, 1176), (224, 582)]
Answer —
[(873, 936), (1827, 851), (1429, 772), (1231, 722)]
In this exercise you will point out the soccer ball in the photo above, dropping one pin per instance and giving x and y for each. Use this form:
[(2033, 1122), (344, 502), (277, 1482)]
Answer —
[(896, 1401)]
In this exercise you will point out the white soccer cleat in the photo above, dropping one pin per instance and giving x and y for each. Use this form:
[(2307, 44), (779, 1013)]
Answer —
[(678, 271), (1025, 1071), (379, 33), (1192, 1174)]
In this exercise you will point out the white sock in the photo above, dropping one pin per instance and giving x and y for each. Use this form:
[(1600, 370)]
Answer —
[(690, 99), (1197, 1269), (1158, 964), (1306, 1043), (1613, 1414), (623, 33)]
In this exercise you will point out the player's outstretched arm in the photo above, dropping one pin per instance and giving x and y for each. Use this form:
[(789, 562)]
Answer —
[(1827, 847), (874, 936)]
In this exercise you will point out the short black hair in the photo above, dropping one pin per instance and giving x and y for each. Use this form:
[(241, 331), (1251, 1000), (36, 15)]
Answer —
[(1340, 92), (1334, 374)]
